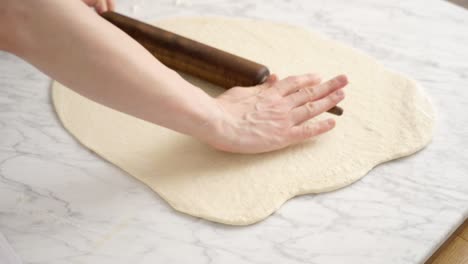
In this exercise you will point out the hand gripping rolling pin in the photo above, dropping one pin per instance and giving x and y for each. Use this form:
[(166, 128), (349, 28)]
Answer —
[(194, 58)]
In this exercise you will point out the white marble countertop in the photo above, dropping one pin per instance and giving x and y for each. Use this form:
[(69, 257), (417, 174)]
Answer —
[(60, 203)]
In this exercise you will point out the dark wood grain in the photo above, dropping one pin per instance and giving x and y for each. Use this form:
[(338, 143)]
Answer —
[(194, 58)]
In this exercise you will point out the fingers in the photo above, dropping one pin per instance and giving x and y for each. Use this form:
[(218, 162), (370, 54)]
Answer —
[(294, 83), (311, 109), (308, 130), (110, 5), (308, 94), (101, 6), (90, 2)]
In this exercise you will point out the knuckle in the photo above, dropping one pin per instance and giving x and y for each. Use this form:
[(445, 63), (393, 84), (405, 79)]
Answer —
[(311, 107), (308, 130), (310, 92)]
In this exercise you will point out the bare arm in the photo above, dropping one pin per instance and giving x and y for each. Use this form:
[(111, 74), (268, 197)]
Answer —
[(68, 41)]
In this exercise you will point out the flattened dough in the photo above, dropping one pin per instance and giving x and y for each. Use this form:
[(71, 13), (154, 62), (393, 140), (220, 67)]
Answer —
[(386, 117)]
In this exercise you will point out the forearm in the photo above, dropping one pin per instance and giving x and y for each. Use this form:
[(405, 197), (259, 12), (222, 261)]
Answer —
[(72, 44)]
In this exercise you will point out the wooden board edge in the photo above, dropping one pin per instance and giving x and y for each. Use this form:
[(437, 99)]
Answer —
[(447, 242)]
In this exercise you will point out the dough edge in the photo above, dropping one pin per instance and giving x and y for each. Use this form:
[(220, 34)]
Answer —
[(279, 199)]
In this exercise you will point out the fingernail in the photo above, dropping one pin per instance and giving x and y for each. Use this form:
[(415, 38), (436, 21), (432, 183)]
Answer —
[(331, 122), (339, 93)]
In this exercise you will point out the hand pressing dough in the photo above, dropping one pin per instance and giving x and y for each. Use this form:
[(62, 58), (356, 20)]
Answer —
[(386, 117)]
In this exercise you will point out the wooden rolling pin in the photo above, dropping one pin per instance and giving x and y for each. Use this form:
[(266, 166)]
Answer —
[(194, 58)]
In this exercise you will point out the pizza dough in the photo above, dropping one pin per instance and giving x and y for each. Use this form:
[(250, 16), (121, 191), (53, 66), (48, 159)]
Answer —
[(386, 117)]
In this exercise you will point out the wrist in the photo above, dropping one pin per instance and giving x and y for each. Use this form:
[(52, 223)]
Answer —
[(198, 113), (219, 129), (206, 116)]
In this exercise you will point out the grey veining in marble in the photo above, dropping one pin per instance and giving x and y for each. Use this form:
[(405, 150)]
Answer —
[(59, 203), (7, 254)]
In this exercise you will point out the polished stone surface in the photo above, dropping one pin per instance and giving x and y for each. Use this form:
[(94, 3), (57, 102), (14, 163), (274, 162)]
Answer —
[(60, 203)]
